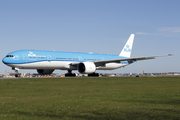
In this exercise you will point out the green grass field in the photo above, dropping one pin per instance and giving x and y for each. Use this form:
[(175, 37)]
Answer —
[(90, 98)]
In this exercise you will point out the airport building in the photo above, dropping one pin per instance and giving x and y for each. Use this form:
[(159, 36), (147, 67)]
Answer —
[(35, 75)]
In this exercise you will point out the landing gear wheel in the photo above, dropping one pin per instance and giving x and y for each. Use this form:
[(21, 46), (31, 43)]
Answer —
[(70, 74), (17, 75), (93, 75)]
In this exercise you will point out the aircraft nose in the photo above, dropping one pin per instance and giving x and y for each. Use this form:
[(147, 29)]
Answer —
[(5, 60)]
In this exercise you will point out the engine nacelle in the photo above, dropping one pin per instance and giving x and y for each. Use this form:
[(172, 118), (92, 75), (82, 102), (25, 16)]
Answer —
[(45, 71), (86, 67)]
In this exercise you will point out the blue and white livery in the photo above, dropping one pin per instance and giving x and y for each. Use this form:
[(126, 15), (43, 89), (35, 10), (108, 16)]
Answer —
[(86, 63)]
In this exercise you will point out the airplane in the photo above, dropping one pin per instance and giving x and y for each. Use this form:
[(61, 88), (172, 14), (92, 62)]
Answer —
[(85, 63)]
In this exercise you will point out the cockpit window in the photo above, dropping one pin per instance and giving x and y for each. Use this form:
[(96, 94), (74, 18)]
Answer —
[(9, 55)]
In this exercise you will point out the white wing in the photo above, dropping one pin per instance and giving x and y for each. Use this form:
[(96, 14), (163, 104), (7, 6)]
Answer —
[(129, 59), (99, 62)]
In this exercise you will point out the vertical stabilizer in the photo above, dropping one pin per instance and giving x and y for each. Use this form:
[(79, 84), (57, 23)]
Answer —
[(126, 51)]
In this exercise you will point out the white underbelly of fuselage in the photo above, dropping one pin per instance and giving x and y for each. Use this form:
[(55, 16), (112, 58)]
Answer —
[(62, 65), (43, 65)]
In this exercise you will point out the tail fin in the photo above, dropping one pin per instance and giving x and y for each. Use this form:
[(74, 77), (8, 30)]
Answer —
[(126, 51)]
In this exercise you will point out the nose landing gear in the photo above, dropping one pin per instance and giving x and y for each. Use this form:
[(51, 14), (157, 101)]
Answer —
[(16, 72)]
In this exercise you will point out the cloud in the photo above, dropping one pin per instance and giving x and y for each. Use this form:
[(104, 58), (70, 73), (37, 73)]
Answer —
[(142, 33), (163, 31), (170, 29)]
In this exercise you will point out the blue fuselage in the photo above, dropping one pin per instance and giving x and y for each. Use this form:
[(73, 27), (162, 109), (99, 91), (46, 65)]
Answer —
[(38, 59)]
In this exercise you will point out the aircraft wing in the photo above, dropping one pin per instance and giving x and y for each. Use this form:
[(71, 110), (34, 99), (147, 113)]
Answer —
[(123, 59), (129, 59)]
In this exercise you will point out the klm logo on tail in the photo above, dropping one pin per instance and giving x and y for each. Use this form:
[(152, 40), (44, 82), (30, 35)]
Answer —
[(127, 49)]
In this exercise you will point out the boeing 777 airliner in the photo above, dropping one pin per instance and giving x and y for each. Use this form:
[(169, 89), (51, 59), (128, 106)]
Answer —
[(86, 63)]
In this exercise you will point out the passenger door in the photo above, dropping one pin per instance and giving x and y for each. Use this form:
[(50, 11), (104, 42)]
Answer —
[(25, 58)]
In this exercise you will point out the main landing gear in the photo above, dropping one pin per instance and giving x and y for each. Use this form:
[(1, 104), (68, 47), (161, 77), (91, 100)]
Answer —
[(70, 74), (93, 75)]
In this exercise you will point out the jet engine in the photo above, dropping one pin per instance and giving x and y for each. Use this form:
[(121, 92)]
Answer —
[(86, 67), (45, 71)]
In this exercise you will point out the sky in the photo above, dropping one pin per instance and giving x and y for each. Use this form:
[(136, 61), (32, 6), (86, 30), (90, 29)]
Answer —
[(99, 26)]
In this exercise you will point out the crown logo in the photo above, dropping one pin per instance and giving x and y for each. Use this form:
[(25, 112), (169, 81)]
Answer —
[(127, 48), (31, 54)]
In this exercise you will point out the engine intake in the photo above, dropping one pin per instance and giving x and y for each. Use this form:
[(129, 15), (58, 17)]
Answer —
[(86, 67)]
